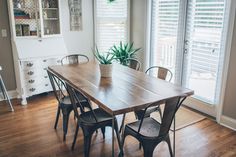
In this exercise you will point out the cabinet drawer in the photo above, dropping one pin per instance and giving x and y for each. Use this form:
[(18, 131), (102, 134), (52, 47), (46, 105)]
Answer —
[(34, 73), (30, 64)]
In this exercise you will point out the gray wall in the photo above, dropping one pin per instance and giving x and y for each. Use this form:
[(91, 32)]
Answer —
[(6, 58), (229, 108), (137, 26)]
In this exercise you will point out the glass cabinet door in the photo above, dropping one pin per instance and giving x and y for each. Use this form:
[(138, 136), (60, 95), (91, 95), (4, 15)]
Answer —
[(50, 14), (26, 17)]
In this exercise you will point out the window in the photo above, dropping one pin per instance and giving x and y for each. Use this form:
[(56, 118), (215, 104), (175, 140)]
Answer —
[(111, 23)]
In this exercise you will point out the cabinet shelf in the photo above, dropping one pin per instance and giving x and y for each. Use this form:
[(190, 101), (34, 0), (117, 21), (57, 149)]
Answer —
[(51, 19), (50, 9)]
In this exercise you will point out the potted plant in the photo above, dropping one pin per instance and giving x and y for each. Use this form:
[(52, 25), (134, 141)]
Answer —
[(124, 51), (105, 60)]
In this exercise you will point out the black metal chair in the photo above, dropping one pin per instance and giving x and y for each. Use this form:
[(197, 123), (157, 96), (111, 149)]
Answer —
[(90, 121), (161, 73), (64, 104), (74, 59), (150, 132), (133, 63)]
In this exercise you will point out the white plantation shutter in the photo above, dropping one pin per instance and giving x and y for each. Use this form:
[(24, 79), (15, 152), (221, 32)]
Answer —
[(111, 23)]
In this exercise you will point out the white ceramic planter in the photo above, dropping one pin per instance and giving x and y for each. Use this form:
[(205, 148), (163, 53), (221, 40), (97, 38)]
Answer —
[(105, 70)]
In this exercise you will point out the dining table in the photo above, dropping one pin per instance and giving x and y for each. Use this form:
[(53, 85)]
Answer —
[(125, 91)]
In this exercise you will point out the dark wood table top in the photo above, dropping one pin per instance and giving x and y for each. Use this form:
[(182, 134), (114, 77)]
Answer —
[(127, 90)]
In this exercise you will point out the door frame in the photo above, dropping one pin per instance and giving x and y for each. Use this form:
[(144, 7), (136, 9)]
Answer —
[(228, 42)]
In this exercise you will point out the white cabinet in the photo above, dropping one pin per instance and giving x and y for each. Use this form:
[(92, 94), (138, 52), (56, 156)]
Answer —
[(35, 18), (34, 78), (36, 43)]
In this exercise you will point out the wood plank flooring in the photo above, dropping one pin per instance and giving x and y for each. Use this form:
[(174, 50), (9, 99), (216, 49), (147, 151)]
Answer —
[(29, 132)]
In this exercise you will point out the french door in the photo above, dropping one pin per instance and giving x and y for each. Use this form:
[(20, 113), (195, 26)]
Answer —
[(187, 38)]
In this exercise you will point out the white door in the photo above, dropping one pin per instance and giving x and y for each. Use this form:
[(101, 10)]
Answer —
[(186, 37), (202, 54)]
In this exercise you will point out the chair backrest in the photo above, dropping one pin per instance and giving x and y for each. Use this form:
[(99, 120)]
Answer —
[(74, 59), (58, 86), (161, 72), (171, 107), (133, 63), (73, 93)]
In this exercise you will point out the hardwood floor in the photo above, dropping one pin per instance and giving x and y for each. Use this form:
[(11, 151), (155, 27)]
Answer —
[(29, 132)]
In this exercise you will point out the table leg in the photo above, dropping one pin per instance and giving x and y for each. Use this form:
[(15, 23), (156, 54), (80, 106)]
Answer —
[(174, 138), (113, 138)]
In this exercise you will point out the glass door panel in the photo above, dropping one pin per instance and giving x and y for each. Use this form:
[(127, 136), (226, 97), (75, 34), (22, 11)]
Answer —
[(51, 21), (164, 31), (202, 47), (26, 16)]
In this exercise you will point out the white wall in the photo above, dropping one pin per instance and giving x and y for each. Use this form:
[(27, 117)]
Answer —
[(82, 41)]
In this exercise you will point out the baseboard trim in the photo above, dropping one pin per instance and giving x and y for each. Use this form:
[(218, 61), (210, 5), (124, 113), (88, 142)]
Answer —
[(228, 122), (12, 94), (200, 106)]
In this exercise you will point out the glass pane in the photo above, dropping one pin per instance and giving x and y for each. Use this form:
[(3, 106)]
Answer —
[(51, 21), (26, 15), (204, 28), (165, 19)]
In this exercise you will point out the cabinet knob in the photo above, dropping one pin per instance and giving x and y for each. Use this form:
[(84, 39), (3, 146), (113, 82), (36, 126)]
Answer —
[(30, 73), (44, 60), (29, 64), (32, 89), (45, 76), (31, 81), (46, 85)]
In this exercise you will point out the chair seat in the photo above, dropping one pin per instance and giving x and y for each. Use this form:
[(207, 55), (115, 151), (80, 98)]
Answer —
[(150, 127), (88, 117)]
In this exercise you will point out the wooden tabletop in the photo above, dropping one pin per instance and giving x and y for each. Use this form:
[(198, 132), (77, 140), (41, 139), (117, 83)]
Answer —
[(127, 90)]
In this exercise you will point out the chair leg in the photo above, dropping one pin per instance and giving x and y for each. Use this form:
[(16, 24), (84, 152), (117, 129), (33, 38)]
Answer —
[(75, 137), (65, 124), (160, 112), (87, 142), (122, 123), (118, 136), (148, 149), (103, 131), (169, 145), (2, 90), (57, 117), (5, 94)]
